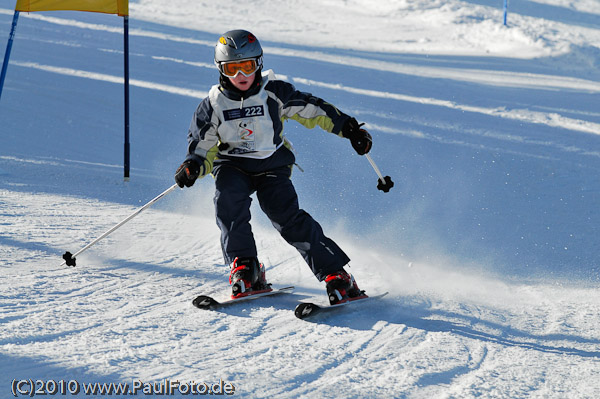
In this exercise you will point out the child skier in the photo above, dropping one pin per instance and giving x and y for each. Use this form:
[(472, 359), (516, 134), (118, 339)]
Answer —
[(237, 135)]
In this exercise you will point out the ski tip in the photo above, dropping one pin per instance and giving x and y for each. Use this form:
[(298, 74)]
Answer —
[(304, 310), (204, 302)]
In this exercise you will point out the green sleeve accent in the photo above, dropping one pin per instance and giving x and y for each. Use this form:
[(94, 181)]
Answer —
[(210, 157), (323, 121)]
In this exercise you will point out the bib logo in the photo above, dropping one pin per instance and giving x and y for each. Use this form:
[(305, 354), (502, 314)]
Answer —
[(246, 131), (246, 135)]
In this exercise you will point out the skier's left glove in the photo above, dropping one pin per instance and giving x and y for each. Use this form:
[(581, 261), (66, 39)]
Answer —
[(359, 138)]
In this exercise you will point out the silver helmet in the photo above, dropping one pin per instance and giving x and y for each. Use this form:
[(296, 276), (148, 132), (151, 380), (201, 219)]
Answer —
[(238, 45)]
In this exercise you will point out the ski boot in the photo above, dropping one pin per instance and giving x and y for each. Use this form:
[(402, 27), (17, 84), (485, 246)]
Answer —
[(341, 287), (247, 275)]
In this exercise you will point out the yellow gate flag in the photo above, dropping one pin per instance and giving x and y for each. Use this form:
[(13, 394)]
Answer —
[(120, 7)]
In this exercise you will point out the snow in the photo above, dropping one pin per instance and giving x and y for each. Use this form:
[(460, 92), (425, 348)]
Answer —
[(487, 243)]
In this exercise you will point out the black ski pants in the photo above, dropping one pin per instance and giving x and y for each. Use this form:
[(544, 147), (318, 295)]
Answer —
[(279, 201)]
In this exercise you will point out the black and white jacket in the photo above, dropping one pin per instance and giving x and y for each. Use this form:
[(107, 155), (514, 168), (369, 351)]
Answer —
[(246, 129)]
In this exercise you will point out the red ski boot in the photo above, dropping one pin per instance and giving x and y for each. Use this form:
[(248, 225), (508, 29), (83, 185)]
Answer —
[(341, 287), (247, 276)]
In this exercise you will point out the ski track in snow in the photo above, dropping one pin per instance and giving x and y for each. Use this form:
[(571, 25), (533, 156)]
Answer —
[(125, 314)]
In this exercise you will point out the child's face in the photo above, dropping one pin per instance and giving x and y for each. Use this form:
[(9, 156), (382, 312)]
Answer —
[(242, 82)]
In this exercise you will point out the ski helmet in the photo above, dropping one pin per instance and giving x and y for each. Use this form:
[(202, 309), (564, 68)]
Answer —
[(237, 45)]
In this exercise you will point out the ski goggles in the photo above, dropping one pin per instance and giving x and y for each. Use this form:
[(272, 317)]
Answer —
[(232, 68)]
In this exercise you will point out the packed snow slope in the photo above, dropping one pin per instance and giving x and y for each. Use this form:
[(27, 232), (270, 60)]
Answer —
[(488, 243)]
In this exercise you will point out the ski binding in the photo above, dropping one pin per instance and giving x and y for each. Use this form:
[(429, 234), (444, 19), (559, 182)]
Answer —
[(208, 302)]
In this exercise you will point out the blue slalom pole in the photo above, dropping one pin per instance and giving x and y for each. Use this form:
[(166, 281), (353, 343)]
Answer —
[(8, 49), (505, 10), (126, 150)]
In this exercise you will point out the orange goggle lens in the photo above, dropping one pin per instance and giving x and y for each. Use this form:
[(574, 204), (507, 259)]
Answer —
[(231, 69)]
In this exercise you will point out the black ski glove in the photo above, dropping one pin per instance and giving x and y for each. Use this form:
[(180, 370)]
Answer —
[(359, 138), (188, 172)]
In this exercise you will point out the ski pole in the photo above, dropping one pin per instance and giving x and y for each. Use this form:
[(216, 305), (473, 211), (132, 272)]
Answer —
[(384, 183), (70, 258)]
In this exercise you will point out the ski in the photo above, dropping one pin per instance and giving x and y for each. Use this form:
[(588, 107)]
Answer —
[(208, 302), (308, 309)]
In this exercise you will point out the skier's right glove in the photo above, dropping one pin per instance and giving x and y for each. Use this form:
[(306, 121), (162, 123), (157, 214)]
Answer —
[(188, 172), (359, 138)]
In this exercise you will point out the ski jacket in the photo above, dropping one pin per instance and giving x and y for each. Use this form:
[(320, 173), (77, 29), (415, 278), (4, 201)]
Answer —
[(246, 129)]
